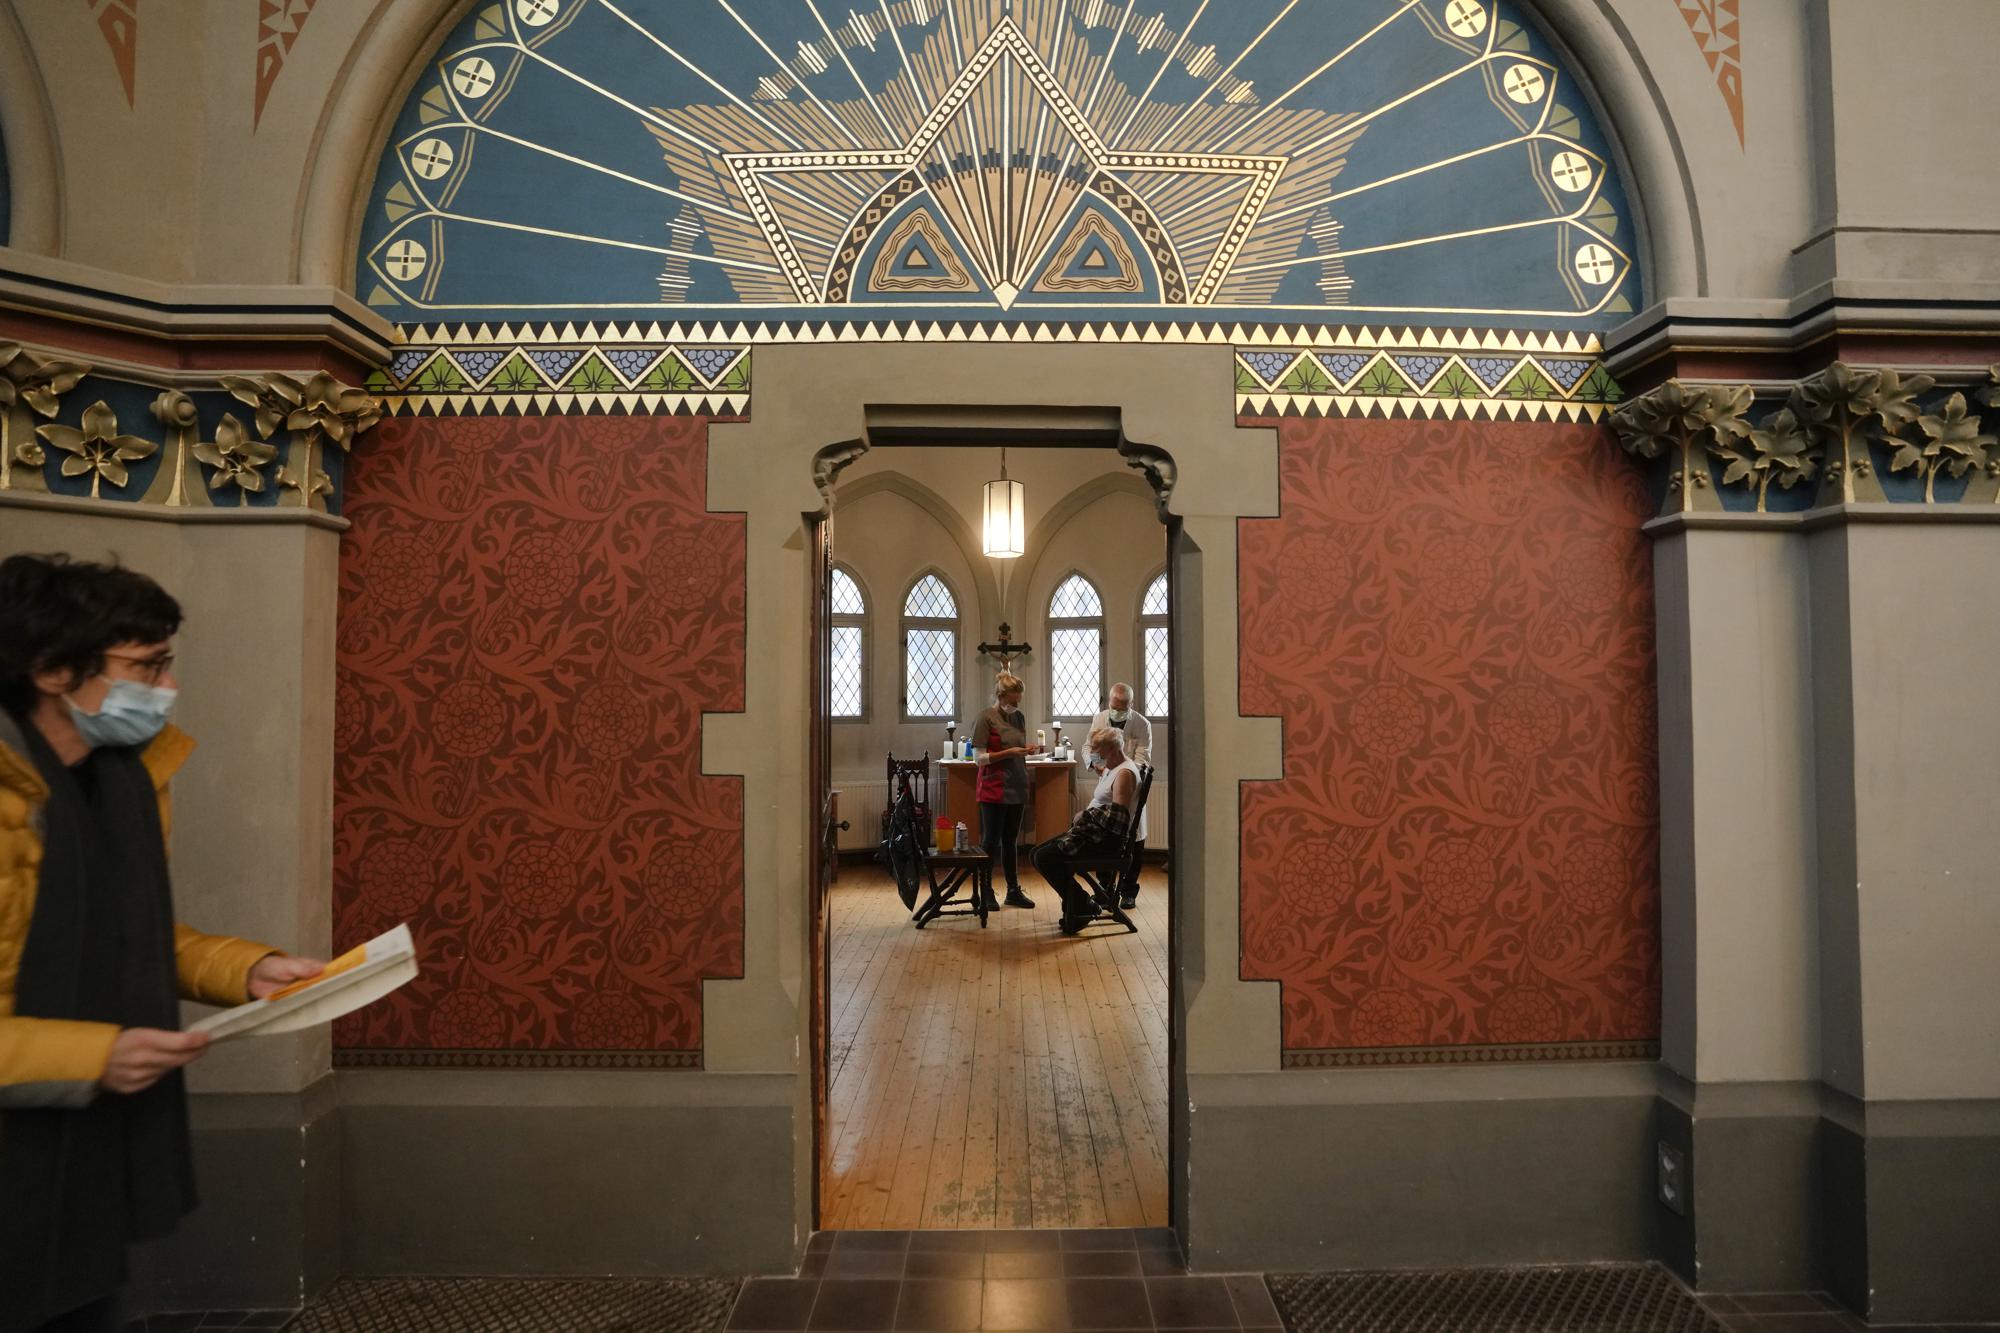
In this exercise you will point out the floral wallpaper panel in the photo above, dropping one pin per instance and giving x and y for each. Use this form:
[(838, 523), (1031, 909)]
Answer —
[(534, 614)]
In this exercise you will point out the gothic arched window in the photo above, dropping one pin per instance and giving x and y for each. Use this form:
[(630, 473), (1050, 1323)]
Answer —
[(1076, 649), (930, 650), (847, 661), (1153, 657)]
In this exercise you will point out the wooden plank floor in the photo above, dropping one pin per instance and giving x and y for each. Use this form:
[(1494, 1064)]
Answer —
[(1005, 1077)]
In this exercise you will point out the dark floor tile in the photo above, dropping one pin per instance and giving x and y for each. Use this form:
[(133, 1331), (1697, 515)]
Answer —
[(269, 1318), (1156, 1238), (855, 1305), (945, 1264), (961, 1241), (940, 1307), (1015, 1265), (1022, 1238), (815, 1262), (1100, 1263), (1108, 1303), (774, 1303), (1816, 1321), (1025, 1305), (898, 1241), (180, 1322), (1191, 1302), (1718, 1303), (1739, 1323), (223, 1319), (820, 1242), (864, 1264), (1776, 1302), (1253, 1301), (1162, 1263), (1099, 1238)]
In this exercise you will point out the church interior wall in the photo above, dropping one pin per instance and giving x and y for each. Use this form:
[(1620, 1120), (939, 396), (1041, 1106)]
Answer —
[(1821, 990)]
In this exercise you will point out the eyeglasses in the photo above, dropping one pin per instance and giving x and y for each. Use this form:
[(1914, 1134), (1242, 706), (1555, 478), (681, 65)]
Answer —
[(149, 669)]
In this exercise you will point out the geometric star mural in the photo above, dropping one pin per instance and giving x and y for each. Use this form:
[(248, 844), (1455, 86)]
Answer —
[(1054, 160)]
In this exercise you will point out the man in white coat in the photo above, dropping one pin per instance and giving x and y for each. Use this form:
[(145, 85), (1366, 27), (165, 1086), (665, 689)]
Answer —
[(1121, 716)]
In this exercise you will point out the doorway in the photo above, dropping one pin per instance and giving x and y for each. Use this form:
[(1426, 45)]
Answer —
[(1002, 1075)]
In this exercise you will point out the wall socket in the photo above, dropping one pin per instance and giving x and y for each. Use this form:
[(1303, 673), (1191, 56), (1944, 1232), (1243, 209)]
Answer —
[(1673, 1177)]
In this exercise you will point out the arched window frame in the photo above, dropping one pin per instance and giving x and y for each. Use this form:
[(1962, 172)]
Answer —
[(1055, 624), (1154, 703), (858, 622), (911, 624)]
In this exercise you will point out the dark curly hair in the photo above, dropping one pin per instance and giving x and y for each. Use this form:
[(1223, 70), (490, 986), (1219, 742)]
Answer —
[(61, 614)]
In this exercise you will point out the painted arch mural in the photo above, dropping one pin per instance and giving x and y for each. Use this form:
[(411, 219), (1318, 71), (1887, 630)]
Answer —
[(1241, 160), (1400, 216)]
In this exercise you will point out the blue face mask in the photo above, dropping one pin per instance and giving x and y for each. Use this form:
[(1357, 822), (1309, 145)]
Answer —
[(131, 714)]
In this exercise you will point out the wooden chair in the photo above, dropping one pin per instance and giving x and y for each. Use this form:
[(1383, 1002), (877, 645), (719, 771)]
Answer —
[(1103, 872), (914, 777)]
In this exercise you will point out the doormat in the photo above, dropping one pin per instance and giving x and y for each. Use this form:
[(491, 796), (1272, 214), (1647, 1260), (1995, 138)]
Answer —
[(495, 1305), (1599, 1298)]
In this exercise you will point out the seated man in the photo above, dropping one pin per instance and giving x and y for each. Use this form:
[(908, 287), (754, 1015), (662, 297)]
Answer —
[(1099, 827), (1138, 734)]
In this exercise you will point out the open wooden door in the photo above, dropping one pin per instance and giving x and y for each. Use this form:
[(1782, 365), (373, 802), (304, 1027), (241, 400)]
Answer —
[(826, 830)]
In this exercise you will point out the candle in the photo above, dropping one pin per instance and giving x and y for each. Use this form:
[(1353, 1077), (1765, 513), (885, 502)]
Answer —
[(1041, 739)]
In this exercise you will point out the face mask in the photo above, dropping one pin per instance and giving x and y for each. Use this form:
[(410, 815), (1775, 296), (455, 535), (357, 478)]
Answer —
[(1119, 714), (131, 714)]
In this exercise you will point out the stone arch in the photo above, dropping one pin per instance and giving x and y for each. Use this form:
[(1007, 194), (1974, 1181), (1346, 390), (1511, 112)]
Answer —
[(32, 166)]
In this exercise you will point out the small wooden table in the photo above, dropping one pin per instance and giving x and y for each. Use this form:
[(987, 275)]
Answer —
[(1051, 796), (948, 872)]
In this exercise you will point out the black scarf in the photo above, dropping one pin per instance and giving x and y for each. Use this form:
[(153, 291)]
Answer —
[(80, 1185)]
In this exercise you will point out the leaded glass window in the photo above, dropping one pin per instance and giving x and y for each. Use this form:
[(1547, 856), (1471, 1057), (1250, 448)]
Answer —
[(1076, 649), (930, 650), (1153, 657), (847, 660)]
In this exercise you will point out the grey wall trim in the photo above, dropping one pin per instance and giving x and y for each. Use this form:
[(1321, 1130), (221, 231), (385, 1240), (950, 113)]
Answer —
[(77, 291), (1761, 326), (83, 507), (1453, 1084), (574, 1088), (1826, 516)]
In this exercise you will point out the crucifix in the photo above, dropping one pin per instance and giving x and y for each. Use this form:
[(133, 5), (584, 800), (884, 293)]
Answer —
[(1006, 650)]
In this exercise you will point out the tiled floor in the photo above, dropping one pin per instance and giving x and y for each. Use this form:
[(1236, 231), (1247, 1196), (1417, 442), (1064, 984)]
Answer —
[(946, 1281), (1128, 1281), (1811, 1312), (211, 1319)]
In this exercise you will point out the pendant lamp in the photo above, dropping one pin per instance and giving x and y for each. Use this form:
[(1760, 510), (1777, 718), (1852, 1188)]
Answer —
[(1006, 516)]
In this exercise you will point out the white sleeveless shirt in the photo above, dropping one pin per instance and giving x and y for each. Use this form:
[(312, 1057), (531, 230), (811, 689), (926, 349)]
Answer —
[(1102, 796)]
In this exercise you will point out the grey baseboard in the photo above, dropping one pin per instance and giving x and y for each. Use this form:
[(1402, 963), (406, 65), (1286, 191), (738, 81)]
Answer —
[(1929, 1190), (1447, 1168), (538, 1173), (267, 1232)]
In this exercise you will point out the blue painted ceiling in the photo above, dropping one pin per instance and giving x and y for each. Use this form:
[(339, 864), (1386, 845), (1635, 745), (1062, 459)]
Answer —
[(1299, 161)]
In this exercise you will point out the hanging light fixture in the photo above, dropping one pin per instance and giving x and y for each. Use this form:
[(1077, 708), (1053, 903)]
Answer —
[(1006, 516)]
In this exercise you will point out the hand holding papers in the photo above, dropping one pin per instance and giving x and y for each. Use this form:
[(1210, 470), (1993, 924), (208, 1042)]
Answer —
[(359, 976)]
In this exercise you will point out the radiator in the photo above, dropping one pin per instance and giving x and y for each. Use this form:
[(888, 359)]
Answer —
[(862, 801)]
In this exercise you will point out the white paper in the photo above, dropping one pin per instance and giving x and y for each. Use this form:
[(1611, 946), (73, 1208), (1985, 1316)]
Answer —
[(389, 960)]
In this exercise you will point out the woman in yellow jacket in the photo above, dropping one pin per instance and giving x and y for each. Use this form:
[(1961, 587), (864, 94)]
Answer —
[(94, 1152)]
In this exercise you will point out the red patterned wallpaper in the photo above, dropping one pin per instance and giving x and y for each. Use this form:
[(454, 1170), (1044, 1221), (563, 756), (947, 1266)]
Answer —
[(1454, 620), (534, 613)]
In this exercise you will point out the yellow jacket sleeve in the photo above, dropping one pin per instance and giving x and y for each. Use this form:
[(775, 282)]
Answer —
[(52, 1062), (215, 969)]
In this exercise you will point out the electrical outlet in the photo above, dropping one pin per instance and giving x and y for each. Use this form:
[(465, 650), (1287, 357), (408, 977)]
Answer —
[(1673, 1177)]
